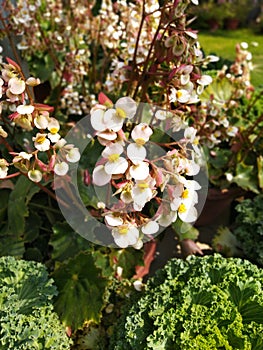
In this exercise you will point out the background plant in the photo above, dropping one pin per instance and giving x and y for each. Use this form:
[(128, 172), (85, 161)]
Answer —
[(28, 319), (199, 303)]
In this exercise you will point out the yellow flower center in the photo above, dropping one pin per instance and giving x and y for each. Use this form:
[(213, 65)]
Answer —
[(120, 113), (114, 157), (179, 94), (41, 139), (185, 194), (140, 141), (143, 185), (123, 230), (182, 208), (53, 130)]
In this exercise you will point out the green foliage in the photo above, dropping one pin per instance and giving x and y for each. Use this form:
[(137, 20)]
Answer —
[(249, 227), (81, 290), (201, 303), (27, 318)]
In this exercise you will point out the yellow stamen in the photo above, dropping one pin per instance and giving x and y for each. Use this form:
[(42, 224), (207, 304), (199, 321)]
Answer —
[(53, 130), (185, 194), (140, 141), (182, 208), (114, 157), (179, 94), (143, 185), (123, 230), (41, 139), (120, 113)]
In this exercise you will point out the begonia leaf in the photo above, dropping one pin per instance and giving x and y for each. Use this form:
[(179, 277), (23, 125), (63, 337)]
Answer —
[(81, 291)]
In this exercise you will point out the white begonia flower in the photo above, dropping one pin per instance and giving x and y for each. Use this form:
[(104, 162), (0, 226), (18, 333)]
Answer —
[(185, 79), (99, 176), (166, 220), (61, 168), (190, 134), (73, 155), (126, 107), (205, 80), (16, 86), (162, 114), (1, 87), (53, 128), (115, 163), (23, 155), (60, 144), (41, 142), (25, 109), (141, 133), (136, 153), (102, 120), (212, 58), (187, 212), (125, 235), (41, 121), (113, 220), (31, 81), (141, 194), (138, 285), (232, 131), (126, 193), (191, 167), (150, 228), (139, 171), (195, 2), (138, 245), (3, 168), (34, 175), (244, 45), (180, 95)]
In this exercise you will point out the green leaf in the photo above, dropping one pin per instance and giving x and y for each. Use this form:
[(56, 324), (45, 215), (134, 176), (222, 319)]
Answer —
[(17, 204), (66, 242), (246, 177), (128, 258), (81, 291)]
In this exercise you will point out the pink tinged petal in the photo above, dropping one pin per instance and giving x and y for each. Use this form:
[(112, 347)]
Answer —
[(97, 121), (100, 177), (117, 167), (136, 153), (140, 171), (107, 135), (61, 169), (113, 220), (16, 86), (150, 228), (128, 105), (25, 109)]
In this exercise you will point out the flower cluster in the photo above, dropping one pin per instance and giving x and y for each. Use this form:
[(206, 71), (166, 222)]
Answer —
[(152, 182), (17, 96)]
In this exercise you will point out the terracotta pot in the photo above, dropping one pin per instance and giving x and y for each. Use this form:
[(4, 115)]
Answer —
[(217, 208)]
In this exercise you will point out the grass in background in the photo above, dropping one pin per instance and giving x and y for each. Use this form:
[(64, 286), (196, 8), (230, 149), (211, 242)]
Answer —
[(222, 43)]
